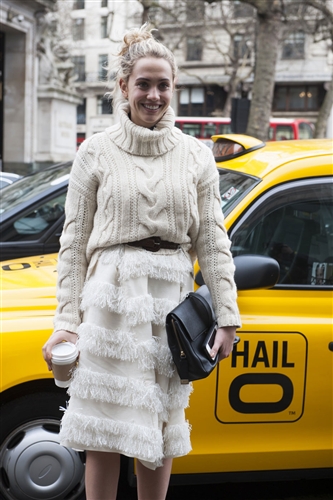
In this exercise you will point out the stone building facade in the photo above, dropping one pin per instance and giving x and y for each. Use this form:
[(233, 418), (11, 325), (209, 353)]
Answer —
[(37, 99)]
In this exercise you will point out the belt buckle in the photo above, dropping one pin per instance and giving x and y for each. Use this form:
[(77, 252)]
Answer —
[(156, 244)]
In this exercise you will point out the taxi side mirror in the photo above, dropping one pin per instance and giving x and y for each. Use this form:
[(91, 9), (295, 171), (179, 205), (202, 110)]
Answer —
[(252, 272)]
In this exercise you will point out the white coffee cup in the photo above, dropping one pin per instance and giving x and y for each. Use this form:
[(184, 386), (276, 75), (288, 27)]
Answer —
[(64, 357)]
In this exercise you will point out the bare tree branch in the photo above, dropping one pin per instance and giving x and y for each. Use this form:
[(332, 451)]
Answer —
[(320, 5)]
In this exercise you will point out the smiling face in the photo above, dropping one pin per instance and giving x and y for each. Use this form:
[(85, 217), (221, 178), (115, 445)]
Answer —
[(148, 90)]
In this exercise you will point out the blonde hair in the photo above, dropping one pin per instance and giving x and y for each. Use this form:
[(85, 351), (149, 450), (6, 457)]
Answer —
[(138, 43)]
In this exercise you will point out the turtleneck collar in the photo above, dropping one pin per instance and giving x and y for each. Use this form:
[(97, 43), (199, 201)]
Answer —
[(143, 141)]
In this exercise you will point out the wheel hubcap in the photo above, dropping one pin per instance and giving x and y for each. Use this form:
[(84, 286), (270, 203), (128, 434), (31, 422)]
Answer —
[(36, 466)]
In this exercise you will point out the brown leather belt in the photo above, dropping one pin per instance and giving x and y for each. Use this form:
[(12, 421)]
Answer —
[(154, 244)]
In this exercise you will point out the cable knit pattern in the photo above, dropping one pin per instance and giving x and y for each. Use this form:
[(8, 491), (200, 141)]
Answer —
[(129, 183)]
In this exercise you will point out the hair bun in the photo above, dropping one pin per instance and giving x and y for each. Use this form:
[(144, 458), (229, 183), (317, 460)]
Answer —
[(136, 35)]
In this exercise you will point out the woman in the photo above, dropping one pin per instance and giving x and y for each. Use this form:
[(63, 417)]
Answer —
[(143, 200)]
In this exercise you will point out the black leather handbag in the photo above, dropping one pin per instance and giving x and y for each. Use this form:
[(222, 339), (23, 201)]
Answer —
[(190, 327)]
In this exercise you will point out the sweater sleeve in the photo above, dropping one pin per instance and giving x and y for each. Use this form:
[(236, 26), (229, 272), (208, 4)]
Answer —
[(72, 264), (213, 249)]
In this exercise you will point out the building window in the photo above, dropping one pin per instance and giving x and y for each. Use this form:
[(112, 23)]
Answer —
[(104, 26), (78, 4), (81, 113), (102, 67), (104, 105), (195, 11), (104, 3), (194, 48), (293, 46), (240, 47), (298, 97), (78, 29), (79, 68), (242, 10), (201, 101)]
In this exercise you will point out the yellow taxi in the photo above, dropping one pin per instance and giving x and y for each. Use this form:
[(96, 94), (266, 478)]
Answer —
[(267, 411)]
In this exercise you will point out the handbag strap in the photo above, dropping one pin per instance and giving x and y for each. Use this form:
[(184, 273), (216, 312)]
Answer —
[(205, 305)]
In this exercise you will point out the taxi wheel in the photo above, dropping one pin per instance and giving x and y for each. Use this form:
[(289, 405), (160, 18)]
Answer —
[(32, 462)]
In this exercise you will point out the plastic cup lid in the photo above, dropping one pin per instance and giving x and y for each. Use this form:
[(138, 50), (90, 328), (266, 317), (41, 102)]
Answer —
[(64, 350)]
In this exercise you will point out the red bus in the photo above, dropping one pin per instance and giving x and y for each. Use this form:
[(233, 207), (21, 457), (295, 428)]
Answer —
[(280, 128)]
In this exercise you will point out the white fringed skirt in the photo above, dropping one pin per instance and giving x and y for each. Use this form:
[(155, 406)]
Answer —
[(125, 395)]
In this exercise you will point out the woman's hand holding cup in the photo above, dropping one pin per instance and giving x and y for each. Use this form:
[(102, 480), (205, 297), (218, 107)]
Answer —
[(57, 338)]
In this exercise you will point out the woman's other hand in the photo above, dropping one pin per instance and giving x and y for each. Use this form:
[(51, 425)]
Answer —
[(56, 338), (224, 341)]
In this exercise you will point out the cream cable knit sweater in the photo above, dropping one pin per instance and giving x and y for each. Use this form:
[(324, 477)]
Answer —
[(128, 183)]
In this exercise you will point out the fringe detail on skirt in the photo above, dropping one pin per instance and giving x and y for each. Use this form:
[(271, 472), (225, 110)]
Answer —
[(87, 432), (164, 362), (117, 344), (122, 391), (161, 308), (101, 295), (177, 440), (138, 310), (126, 396), (179, 395), (173, 267)]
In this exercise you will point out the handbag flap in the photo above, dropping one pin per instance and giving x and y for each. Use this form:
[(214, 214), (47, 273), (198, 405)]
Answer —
[(195, 314), (204, 293)]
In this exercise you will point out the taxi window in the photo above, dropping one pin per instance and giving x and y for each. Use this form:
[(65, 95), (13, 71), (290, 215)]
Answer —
[(233, 187), (293, 225), (284, 132), (35, 223)]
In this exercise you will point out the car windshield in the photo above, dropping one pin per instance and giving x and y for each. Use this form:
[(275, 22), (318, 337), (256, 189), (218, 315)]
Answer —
[(27, 188), (233, 187)]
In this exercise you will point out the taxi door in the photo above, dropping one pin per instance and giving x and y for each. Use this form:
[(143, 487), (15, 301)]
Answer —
[(274, 394)]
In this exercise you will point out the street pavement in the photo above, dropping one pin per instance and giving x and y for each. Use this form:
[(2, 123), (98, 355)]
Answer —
[(285, 490)]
